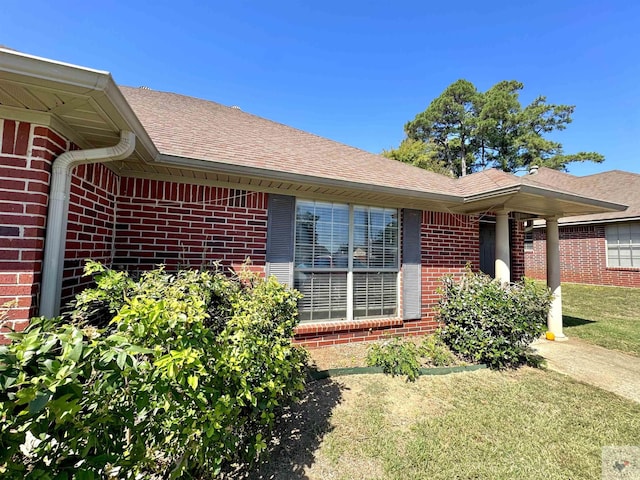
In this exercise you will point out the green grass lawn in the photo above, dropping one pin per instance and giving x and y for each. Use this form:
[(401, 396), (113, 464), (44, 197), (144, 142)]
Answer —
[(525, 424), (605, 316)]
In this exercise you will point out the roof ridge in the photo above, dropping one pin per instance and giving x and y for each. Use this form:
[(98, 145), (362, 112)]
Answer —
[(609, 172)]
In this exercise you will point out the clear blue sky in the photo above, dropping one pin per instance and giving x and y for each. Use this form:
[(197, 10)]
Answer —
[(356, 71)]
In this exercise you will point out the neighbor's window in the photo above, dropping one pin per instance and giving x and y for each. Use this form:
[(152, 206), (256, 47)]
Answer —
[(528, 236), (623, 245), (346, 261)]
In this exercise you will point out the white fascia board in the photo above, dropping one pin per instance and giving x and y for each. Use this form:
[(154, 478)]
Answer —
[(199, 164)]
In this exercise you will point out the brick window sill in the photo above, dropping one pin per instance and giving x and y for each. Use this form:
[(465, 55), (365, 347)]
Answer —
[(314, 328), (624, 269)]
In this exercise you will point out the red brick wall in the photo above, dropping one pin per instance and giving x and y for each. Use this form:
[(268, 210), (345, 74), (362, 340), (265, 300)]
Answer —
[(449, 243), (136, 224), (90, 228), (26, 153), (583, 258), (188, 225), (535, 260)]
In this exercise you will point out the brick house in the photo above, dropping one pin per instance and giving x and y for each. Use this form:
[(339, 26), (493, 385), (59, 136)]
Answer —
[(134, 177), (600, 249)]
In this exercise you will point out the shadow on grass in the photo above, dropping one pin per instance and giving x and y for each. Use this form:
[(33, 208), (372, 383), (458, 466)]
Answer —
[(575, 321), (299, 432)]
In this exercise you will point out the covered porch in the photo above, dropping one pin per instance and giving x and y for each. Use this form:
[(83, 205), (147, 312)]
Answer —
[(531, 201)]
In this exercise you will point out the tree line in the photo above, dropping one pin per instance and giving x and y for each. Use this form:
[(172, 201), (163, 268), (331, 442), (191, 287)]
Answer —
[(465, 130)]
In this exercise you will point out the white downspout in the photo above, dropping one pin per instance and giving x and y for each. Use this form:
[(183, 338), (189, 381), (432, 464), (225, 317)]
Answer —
[(53, 263)]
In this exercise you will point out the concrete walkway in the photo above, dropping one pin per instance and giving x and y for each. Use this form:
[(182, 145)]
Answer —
[(607, 369)]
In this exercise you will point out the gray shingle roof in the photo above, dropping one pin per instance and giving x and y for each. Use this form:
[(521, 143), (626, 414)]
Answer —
[(188, 127), (614, 186)]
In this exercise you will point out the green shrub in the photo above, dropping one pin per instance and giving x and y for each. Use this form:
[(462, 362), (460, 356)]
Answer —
[(395, 357), (435, 352), (485, 321), (184, 381), (398, 356)]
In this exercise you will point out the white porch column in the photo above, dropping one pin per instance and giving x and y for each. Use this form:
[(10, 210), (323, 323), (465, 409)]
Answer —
[(503, 248), (554, 320)]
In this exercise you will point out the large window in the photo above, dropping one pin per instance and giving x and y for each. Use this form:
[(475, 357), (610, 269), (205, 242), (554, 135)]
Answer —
[(623, 245), (346, 261)]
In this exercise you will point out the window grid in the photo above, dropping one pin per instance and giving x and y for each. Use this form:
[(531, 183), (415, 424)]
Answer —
[(623, 245), (346, 261)]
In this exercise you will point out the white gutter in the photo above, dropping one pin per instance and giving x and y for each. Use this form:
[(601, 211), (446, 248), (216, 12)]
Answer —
[(56, 235), (85, 79)]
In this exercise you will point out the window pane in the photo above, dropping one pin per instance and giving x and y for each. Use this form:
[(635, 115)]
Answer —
[(374, 294), (623, 233), (324, 212), (613, 257), (305, 234), (625, 261), (341, 214), (324, 295), (304, 256), (318, 237), (375, 238), (612, 234)]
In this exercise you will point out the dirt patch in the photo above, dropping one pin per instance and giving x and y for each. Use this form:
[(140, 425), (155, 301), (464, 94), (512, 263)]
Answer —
[(350, 355), (340, 356)]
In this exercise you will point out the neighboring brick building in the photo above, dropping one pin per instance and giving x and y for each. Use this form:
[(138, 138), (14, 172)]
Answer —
[(599, 249), (135, 178)]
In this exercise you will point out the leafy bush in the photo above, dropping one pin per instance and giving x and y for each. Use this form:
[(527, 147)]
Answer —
[(395, 357), (398, 356), (488, 322), (184, 381), (435, 352)]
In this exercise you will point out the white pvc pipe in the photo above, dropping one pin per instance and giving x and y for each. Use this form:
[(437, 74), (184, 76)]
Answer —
[(56, 233)]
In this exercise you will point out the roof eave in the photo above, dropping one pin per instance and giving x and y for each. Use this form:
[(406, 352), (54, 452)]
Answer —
[(268, 174), (490, 194), (97, 84), (43, 69), (602, 206)]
